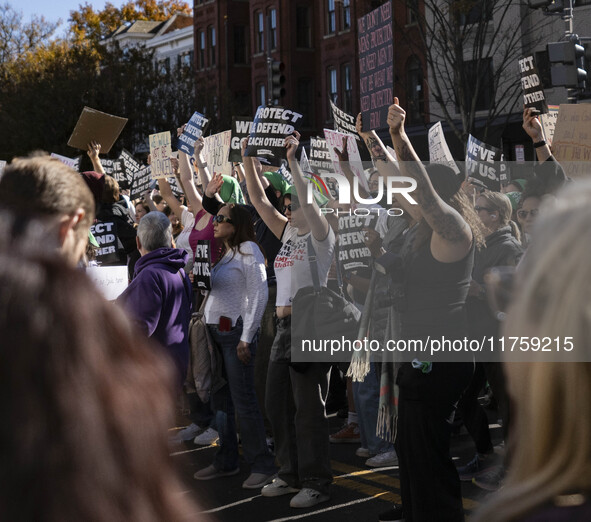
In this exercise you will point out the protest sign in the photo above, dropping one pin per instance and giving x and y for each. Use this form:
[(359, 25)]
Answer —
[(240, 129), (483, 163), (216, 151), (175, 187), (343, 122), (111, 281), (115, 169), (130, 165), (105, 233), (334, 140), (376, 66), (283, 171), (531, 85), (73, 163), (202, 265), (192, 132), (353, 253), (96, 126), (141, 182), (571, 145), (160, 152), (270, 127), (320, 157), (438, 150), (549, 123)]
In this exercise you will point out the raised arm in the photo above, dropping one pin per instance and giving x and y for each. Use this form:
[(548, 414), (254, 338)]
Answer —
[(169, 197), (202, 167), (188, 184), (94, 149), (269, 214), (316, 220), (452, 236), (533, 128)]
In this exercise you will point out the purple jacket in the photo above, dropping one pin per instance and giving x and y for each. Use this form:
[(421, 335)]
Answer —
[(159, 298)]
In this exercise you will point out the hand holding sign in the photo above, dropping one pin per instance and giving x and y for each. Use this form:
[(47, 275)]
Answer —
[(94, 149), (396, 117), (292, 142), (532, 125), (343, 154)]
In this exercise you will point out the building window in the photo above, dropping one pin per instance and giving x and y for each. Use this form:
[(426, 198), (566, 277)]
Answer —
[(261, 94), (185, 60), (346, 24), (305, 101), (414, 90), (240, 45), (473, 12), (412, 11), (333, 88), (212, 55), (260, 31), (480, 70), (347, 88), (201, 49), (164, 66), (303, 27), (273, 29), (331, 17)]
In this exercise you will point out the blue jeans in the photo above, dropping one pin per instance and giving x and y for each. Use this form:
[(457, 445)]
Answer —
[(239, 393)]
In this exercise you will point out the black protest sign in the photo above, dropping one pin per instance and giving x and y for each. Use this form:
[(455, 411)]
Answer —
[(270, 127), (114, 168), (105, 233), (343, 122), (202, 265), (175, 187), (531, 84), (353, 253), (141, 182), (192, 132), (285, 174), (130, 165), (483, 162), (376, 66), (240, 129)]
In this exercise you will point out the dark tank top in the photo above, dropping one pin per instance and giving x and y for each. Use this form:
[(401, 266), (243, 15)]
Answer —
[(435, 293)]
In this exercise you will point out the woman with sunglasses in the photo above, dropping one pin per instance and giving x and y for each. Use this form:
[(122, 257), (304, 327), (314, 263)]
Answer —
[(503, 248), (295, 399), (233, 314)]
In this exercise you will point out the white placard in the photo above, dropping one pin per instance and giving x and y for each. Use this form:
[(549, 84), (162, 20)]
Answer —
[(438, 149), (109, 280), (334, 139)]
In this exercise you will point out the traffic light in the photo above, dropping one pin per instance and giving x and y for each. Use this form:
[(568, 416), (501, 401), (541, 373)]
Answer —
[(277, 80), (550, 6), (567, 63)]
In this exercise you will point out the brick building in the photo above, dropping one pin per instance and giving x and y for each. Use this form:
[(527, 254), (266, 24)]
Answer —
[(317, 42)]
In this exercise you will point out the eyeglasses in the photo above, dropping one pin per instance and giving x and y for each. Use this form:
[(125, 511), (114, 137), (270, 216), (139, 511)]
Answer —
[(222, 219), (522, 214), (291, 207), (478, 209)]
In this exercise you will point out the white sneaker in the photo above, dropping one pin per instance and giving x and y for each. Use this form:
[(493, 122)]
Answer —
[(207, 438), (388, 458), (258, 480), (189, 432), (277, 488), (362, 452), (308, 497)]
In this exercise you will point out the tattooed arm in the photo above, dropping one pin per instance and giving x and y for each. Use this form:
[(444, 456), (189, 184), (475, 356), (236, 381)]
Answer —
[(452, 236)]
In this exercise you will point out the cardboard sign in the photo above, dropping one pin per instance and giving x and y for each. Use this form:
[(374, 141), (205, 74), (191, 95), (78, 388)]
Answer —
[(160, 152), (376, 66), (549, 123), (571, 145), (531, 84), (270, 127), (111, 281), (334, 140), (483, 163), (240, 129), (141, 182), (96, 126), (193, 131), (353, 253), (202, 265), (216, 151), (438, 149), (73, 163), (105, 234)]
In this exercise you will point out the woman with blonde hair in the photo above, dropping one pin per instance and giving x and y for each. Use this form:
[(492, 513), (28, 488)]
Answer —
[(550, 476)]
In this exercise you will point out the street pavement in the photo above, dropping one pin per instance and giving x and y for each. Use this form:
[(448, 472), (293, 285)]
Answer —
[(358, 493)]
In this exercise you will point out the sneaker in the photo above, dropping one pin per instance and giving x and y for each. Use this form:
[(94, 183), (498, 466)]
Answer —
[(187, 433), (477, 465), (211, 472), (388, 458), (396, 514), (258, 480), (207, 438), (362, 452), (491, 480), (277, 488), (308, 497), (348, 434)]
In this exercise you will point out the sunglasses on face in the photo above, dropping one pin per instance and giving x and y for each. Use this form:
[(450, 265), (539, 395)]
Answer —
[(522, 214), (478, 209), (222, 219), (291, 207)]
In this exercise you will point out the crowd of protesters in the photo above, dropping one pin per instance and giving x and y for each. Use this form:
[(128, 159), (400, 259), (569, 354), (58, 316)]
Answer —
[(71, 358)]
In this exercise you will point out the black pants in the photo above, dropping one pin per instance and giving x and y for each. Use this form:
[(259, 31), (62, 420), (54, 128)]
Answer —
[(429, 482)]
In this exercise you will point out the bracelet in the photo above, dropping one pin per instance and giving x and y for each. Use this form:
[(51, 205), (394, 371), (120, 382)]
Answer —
[(539, 144)]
